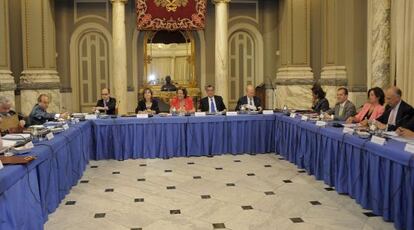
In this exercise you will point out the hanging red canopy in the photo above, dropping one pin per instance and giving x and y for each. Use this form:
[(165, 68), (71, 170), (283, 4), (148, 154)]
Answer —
[(171, 14)]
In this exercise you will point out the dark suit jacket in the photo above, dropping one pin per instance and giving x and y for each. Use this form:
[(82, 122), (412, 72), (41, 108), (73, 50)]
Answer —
[(321, 105), (142, 107), (409, 124), (243, 101), (405, 112), (39, 116), (205, 104), (111, 106)]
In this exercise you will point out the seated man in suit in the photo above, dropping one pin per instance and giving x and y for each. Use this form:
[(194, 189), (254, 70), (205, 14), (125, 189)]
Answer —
[(397, 111), (343, 107), (12, 122), (39, 115), (250, 101), (212, 103), (107, 104)]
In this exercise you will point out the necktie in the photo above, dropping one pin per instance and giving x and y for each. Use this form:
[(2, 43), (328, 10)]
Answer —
[(212, 107), (341, 110), (250, 101)]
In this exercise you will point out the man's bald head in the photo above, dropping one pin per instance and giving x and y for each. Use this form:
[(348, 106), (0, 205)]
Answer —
[(393, 96), (5, 104), (250, 91)]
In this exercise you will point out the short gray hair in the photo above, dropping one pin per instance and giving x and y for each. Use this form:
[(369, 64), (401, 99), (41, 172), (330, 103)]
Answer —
[(4, 100)]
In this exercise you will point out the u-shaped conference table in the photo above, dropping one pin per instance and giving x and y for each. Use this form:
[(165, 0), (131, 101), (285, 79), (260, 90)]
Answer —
[(379, 178)]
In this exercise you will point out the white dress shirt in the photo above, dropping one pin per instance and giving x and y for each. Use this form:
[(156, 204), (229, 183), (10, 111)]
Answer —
[(250, 101), (342, 108), (392, 119)]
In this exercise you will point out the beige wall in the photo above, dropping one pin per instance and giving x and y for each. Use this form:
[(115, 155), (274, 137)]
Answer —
[(265, 16)]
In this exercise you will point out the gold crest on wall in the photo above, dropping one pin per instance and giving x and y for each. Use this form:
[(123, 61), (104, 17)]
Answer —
[(171, 5)]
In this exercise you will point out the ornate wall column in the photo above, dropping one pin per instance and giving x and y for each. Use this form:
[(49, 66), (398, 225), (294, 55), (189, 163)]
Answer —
[(39, 55), (7, 85), (222, 49), (270, 39), (333, 74), (119, 70), (379, 43), (294, 77)]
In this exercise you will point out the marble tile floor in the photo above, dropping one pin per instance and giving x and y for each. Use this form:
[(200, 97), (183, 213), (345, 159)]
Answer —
[(252, 192)]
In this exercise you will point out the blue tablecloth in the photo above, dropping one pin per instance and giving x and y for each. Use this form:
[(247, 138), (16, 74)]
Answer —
[(214, 135), (126, 138), (380, 178), (28, 194), (166, 137), (377, 177)]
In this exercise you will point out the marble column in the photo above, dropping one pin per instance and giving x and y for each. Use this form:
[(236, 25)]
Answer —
[(379, 43), (333, 74), (294, 77), (270, 38), (222, 49), (119, 70), (7, 85), (39, 55)]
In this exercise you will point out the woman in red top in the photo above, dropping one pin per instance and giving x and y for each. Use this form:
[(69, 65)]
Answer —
[(182, 102)]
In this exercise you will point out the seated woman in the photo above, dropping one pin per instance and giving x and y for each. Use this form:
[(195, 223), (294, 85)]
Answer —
[(182, 102), (148, 104), (319, 102), (372, 109)]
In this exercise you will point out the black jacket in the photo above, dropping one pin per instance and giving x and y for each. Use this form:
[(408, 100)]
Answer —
[(142, 107), (39, 116), (405, 112), (243, 101), (205, 104), (111, 106), (322, 105), (409, 124)]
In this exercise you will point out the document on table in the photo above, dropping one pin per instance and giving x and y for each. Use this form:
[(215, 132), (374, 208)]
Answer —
[(20, 136)]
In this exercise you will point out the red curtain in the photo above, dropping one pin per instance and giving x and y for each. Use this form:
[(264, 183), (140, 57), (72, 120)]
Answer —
[(171, 14)]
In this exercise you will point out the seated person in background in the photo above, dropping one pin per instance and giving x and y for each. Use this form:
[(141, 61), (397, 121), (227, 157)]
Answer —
[(168, 85), (397, 111), (250, 101), (212, 103), (182, 102), (107, 104), (147, 104), (343, 108), (12, 122), (372, 109), (39, 115), (319, 102)]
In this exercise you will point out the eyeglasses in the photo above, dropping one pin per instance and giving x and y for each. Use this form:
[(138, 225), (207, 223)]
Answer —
[(104, 94)]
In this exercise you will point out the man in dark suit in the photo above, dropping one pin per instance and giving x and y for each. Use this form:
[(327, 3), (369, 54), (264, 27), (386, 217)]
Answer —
[(250, 101), (39, 114), (397, 111), (212, 103), (107, 104)]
